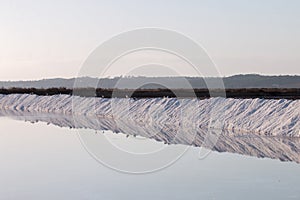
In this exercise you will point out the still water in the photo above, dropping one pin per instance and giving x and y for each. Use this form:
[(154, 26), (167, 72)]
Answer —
[(44, 161)]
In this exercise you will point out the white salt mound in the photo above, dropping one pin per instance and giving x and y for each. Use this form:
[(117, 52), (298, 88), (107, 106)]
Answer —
[(257, 116)]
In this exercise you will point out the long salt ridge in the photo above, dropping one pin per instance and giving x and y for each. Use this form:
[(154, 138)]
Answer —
[(257, 116)]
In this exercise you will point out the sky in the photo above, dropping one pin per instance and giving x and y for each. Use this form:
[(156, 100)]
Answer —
[(47, 39)]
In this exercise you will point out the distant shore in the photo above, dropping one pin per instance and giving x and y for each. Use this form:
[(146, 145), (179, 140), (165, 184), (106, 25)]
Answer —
[(242, 93)]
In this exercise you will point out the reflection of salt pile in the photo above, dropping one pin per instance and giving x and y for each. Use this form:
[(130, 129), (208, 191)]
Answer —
[(282, 148), (266, 117)]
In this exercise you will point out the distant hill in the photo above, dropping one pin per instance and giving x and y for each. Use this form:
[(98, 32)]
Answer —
[(236, 81)]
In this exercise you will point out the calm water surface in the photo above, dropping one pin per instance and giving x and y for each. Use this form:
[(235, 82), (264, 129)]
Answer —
[(40, 161)]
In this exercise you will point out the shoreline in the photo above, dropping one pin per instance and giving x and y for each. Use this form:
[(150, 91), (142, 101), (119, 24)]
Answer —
[(239, 93)]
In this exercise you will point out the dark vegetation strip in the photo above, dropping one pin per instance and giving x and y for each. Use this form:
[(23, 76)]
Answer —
[(244, 93)]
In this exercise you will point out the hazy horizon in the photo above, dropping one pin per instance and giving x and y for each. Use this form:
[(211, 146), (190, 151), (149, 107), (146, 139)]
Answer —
[(112, 77)]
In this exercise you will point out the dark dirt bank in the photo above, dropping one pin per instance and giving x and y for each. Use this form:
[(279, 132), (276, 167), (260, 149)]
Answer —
[(244, 93)]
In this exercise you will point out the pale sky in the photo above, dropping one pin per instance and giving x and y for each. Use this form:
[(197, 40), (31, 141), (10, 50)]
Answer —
[(45, 39)]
